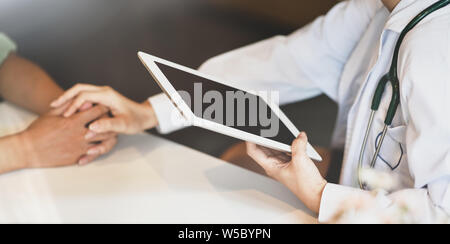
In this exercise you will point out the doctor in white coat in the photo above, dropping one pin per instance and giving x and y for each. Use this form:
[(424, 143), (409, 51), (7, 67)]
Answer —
[(343, 55)]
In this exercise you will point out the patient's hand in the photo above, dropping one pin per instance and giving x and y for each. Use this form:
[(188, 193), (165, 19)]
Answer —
[(53, 140)]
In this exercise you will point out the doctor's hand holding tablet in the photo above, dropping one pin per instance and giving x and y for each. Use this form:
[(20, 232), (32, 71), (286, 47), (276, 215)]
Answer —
[(298, 173)]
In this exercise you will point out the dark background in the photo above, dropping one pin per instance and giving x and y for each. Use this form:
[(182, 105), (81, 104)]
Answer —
[(96, 41)]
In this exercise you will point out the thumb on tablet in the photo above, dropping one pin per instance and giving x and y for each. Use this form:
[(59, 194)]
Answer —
[(299, 145)]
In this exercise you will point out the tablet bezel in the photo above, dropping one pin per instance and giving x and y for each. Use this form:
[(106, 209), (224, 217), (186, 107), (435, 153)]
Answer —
[(150, 61)]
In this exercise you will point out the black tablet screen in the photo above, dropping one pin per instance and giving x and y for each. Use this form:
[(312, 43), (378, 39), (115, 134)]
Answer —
[(228, 106)]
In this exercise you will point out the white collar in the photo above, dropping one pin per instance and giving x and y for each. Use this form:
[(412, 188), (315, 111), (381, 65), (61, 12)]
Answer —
[(404, 12)]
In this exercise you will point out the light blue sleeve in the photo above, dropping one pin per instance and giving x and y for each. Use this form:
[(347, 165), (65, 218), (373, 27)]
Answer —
[(6, 47)]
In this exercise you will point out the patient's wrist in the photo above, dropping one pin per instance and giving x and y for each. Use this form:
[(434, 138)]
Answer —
[(13, 153), (27, 150)]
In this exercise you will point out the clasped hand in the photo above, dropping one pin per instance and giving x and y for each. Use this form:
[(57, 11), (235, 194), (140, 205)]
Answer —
[(53, 140)]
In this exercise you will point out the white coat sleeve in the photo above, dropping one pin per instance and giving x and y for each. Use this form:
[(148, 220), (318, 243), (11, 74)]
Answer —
[(425, 89), (6, 47), (420, 207), (299, 66)]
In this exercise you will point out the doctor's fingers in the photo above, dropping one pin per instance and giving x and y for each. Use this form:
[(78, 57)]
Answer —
[(60, 110), (97, 150), (90, 115), (73, 92), (103, 97), (269, 164), (299, 145), (86, 106), (103, 147), (280, 156), (94, 137), (116, 124)]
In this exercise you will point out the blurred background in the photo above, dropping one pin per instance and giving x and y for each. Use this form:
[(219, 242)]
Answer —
[(96, 41)]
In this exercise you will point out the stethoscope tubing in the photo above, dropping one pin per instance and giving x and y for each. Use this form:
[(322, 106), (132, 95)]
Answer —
[(390, 77)]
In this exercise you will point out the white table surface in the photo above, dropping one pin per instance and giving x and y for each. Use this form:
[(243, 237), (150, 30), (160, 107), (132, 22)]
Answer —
[(146, 179)]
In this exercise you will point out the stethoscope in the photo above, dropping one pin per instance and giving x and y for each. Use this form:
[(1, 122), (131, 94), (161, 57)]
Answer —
[(391, 77)]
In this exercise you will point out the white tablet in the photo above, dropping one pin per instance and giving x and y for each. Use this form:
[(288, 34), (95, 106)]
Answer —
[(213, 104)]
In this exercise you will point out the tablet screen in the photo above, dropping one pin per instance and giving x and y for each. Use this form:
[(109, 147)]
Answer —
[(227, 105)]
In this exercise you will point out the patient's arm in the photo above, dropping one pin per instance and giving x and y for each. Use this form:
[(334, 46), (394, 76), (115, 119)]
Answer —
[(53, 141), (12, 155), (27, 85)]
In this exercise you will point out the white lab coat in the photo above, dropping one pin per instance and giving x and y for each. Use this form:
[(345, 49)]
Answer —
[(344, 54)]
